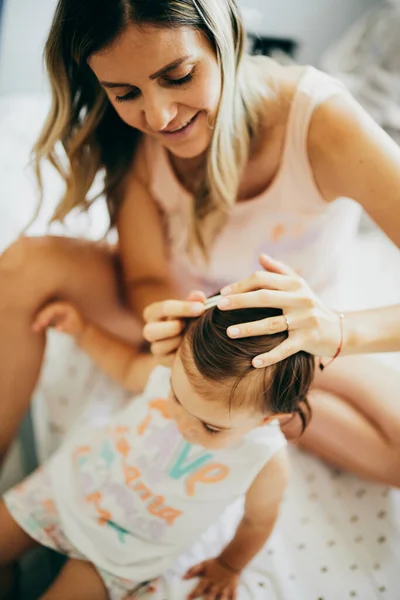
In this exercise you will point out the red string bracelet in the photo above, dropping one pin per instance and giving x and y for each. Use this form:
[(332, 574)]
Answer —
[(340, 347)]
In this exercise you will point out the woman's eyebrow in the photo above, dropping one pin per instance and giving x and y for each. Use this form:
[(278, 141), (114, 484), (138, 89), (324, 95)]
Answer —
[(163, 71), (201, 421), (170, 67)]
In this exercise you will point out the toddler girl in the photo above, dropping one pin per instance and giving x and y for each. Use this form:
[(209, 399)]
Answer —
[(122, 503)]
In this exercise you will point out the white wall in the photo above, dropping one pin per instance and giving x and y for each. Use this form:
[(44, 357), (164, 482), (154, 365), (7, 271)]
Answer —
[(315, 23), (24, 30)]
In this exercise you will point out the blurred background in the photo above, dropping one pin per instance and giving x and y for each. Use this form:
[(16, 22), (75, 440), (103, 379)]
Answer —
[(314, 24)]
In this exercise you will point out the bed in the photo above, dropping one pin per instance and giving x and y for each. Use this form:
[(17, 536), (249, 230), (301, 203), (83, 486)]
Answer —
[(338, 537)]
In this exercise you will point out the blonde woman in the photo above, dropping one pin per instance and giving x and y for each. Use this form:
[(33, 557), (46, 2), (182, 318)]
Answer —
[(210, 158)]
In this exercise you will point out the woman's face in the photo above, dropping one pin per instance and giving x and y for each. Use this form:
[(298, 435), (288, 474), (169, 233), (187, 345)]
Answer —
[(166, 82)]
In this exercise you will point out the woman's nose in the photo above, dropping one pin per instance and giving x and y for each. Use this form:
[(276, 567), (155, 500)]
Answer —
[(159, 113)]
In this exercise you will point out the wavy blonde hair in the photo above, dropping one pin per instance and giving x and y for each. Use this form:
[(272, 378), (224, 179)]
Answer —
[(83, 134)]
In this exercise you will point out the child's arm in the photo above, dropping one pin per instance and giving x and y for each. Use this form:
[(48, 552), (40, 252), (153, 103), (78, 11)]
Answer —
[(263, 501), (122, 362)]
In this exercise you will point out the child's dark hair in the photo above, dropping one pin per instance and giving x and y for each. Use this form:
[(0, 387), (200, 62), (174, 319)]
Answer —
[(279, 388)]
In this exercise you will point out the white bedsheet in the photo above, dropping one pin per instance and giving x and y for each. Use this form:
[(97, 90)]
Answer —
[(338, 537)]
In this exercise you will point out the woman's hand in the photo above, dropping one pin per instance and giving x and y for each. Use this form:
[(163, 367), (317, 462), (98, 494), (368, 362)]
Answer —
[(165, 322), (63, 316), (216, 582), (312, 326)]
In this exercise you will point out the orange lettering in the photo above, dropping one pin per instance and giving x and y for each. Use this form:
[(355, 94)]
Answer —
[(208, 474), (169, 514), (143, 490), (163, 512), (131, 473), (121, 430), (95, 497), (144, 425), (81, 450), (49, 506), (162, 406), (104, 515), (157, 502), (123, 447)]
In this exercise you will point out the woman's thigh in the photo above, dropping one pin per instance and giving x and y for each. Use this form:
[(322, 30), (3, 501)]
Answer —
[(355, 421), (370, 387), (13, 539), (35, 271), (78, 580)]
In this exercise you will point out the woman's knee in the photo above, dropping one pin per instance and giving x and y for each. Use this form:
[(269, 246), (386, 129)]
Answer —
[(34, 270), (23, 273)]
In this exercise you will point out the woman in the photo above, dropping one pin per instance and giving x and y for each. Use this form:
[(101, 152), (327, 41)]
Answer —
[(210, 158)]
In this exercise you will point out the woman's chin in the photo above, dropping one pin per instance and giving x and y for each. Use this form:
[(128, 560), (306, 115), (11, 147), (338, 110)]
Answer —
[(191, 148)]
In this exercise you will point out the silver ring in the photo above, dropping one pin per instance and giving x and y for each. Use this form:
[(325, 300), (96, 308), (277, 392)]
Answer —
[(287, 322)]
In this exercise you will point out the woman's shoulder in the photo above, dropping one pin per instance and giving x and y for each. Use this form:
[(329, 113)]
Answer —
[(281, 83), (279, 86)]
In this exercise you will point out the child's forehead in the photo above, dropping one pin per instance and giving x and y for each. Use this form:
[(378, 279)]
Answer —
[(227, 399)]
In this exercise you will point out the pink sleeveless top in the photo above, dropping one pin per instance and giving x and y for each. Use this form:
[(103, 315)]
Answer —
[(290, 220)]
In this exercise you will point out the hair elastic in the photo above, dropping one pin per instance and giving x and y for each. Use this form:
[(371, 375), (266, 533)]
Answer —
[(338, 351), (212, 301)]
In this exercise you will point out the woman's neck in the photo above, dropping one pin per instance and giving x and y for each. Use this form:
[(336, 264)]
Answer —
[(189, 171)]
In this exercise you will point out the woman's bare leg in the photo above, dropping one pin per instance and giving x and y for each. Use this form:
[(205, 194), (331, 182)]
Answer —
[(356, 418), (13, 543), (34, 271), (78, 580)]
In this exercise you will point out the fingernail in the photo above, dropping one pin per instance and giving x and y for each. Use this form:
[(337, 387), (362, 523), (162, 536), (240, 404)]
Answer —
[(233, 331), (257, 362), (196, 308), (226, 290), (224, 303)]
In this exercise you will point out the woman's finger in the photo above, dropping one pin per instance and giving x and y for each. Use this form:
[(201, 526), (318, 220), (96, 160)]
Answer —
[(263, 280), (267, 299), (196, 296), (164, 347), (272, 325), (172, 309), (256, 328), (287, 348), (276, 266), (160, 330)]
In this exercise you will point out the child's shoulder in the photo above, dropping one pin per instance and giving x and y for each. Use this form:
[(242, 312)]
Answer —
[(158, 382), (266, 441)]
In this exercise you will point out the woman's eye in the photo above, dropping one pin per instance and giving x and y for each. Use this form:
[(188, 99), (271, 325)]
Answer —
[(135, 93), (129, 96), (182, 80)]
